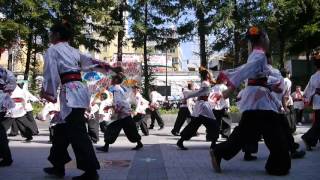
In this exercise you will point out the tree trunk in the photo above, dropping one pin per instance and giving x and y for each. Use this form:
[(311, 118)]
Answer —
[(121, 31), (202, 37), (282, 44), (10, 59), (145, 55), (28, 60)]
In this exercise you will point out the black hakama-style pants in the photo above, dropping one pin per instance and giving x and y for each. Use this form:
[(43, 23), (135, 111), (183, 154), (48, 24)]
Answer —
[(212, 128), (34, 126), (155, 116), (93, 129), (73, 132), (141, 121), (21, 124), (312, 136), (253, 123), (5, 152), (129, 127), (183, 114)]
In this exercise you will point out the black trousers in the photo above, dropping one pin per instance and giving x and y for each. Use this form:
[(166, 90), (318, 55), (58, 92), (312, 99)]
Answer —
[(141, 121), (291, 119), (22, 123), (14, 128), (73, 132), (103, 126), (34, 126), (298, 115), (191, 129), (183, 114), (312, 136), (93, 129), (224, 121), (5, 152), (268, 124), (155, 115), (129, 127), (252, 144)]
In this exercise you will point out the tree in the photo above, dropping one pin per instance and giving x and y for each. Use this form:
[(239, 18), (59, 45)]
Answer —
[(151, 23), (199, 24)]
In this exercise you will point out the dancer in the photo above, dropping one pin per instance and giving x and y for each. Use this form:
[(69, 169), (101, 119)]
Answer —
[(7, 85), (155, 98), (275, 78), (298, 104), (312, 95), (220, 108), (93, 120), (121, 116), (105, 113), (48, 113), (202, 113), (288, 102), (63, 65), (17, 115), (259, 109), (185, 110), (139, 115)]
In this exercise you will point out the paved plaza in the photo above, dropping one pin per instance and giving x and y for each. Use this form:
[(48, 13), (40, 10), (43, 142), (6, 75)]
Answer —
[(158, 160)]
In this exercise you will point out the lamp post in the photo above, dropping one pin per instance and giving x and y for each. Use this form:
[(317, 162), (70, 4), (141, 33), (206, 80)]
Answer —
[(166, 74)]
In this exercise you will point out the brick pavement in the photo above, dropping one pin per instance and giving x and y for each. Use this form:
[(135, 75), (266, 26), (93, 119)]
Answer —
[(159, 160)]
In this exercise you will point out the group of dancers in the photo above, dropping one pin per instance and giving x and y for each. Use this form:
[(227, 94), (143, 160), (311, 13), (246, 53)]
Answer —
[(71, 108)]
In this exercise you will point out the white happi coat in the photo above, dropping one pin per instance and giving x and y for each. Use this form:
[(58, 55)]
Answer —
[(202, 107), (122, 107), (19, 109), (287, 86), (49, 111), (189, 103), (141, 103), (30, 98), (310, 91), (253, 97), (155, 99), (297, 104), (59, 59), (216, 98), (8, 83), (106, 115)]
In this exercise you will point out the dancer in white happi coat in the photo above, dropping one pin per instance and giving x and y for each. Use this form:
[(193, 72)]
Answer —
[(185, 110), (312, 95), (48, 113), (62, 68), (260, 110), (105, 112), (93, 120), (139, 113), (7, 85), (298, 104), (155, 99), (202, 113), (121, 117), (220, 108), (28, 106), (18, 113)]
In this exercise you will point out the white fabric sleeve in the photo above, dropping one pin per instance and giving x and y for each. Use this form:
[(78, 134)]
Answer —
[(90, 64), (309, 91), (253, 68), (10, 82), (51, 74)]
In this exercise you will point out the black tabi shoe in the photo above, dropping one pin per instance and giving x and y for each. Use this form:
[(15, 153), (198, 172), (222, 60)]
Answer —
[(249, 157), (104, 148), (58, 172), (175, 133), (296, 146), (139, 146), (215, 161), (180, 145), (161, 128), (308, 147), (29, 139), (5, 163), (87, 176), (298, 154), (151, 127), (12, 135)]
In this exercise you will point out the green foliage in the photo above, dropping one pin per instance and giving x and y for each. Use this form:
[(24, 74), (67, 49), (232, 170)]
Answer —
[(37, 108), (170, 111)]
